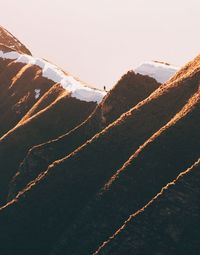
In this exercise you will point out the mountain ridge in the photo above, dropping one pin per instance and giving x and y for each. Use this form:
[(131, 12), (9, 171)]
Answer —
[(118, 100), (85, 171)]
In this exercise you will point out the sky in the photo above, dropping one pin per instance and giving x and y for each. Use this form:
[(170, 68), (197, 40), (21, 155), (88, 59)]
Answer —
[(100, 40)]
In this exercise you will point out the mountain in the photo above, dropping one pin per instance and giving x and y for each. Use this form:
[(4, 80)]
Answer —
[(128, 92), (50, 205), (36, 95), (168, 224), (90, 172), (18, 96)]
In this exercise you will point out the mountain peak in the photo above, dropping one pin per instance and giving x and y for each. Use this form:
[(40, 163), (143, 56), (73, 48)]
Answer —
[(9, 42)]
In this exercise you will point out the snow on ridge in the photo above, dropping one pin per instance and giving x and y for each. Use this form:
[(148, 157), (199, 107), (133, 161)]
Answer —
[(157, 70), (52, 72)]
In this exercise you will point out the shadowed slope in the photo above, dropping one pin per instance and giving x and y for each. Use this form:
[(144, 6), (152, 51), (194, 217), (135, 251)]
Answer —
[(154, 164), (48, 206), (130, 90), (168, 224)]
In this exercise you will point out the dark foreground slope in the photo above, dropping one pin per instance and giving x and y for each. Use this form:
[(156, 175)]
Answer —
[(52, 202), (168, 224), (156, 163), (128, 92)]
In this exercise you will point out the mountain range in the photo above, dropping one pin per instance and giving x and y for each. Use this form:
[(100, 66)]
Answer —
[(85, 171)]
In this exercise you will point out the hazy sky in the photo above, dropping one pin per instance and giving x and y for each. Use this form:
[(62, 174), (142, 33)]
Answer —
[(99, 40)]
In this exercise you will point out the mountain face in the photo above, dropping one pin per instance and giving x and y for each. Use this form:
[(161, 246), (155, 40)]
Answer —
[(90, 173)]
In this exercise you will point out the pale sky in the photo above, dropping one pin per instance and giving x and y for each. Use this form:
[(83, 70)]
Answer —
[(100, 40)]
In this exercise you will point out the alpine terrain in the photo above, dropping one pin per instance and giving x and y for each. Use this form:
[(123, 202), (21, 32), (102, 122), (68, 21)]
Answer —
[(84, 171)]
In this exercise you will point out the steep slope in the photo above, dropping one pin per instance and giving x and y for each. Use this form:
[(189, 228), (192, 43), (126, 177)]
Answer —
[(154, 164), (46, 208), (130, 90), (168, 224), (9, 42), (70, 104)]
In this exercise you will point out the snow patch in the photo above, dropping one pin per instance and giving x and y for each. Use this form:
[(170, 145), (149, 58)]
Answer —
[(26, 59), (9, 55), (37, 93), (159, 71), (52, 72)]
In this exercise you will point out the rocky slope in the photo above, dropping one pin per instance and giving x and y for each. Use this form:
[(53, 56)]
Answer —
[(56, 198)]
